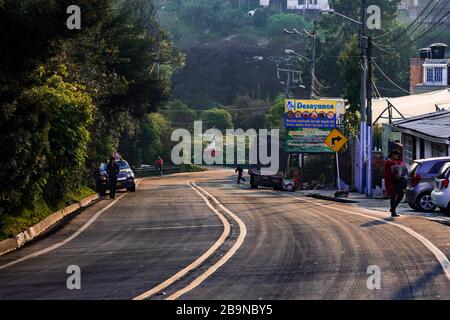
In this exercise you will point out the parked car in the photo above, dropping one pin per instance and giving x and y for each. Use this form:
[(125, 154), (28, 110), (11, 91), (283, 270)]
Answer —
[(441, 193), (125, 179), (277, 182), (421, 177)]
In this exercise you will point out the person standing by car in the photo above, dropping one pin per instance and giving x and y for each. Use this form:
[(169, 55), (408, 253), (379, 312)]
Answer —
[(239, 170), (158, 166), (112, 169), (395, 183)]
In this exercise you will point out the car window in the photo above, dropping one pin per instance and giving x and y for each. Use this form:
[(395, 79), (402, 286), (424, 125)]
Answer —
[(443, 173), (103, 167), (436, 167), (413, 168), (123, 164)]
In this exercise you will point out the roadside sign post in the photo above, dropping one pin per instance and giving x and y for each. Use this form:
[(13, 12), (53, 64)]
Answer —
[(336, 141), (338, 174)]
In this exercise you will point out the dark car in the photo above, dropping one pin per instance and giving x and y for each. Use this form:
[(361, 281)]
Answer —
[(277, 182), (421, 177), (125, 179)]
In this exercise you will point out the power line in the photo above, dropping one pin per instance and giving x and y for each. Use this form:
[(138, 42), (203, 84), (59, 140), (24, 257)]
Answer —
[(376, 88), (420, 36), (420, 23), (415, 20), (384, 50), (439, 34), (426, 31), (428, 27), (389, 79)]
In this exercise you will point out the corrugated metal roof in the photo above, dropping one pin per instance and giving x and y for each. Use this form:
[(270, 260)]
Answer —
[(436, 124), (412, 105)]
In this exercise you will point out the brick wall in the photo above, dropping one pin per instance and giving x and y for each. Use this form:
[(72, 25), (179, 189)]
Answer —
[(415, 73)]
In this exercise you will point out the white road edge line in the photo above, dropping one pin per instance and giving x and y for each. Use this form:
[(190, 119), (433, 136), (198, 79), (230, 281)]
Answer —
[(440, 256), (59, 244), (239, 241), (199, 261)]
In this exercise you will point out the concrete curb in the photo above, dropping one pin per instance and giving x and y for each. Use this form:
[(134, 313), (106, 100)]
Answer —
[(31, 233), (341, 200)]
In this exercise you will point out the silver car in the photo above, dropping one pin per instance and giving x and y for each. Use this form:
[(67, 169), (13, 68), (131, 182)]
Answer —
[(441, 193), (421, 177)]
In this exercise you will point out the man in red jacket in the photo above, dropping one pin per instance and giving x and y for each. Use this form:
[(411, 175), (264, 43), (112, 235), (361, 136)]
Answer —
[(158, 165), (391, 179)]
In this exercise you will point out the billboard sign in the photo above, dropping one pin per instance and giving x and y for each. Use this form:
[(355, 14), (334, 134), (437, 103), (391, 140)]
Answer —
[(310, 113), (307, 140)]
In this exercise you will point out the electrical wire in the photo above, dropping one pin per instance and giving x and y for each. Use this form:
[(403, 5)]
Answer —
[(421, 22), (389, 79), (414, 21)]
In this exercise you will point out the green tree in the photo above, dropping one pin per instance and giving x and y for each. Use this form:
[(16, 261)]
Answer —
[(179, 114), (275, 116), (349, 70), (217, 118), (281, 21)]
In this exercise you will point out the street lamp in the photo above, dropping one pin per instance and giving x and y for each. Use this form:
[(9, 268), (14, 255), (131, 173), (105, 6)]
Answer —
[(290, 51), (332, 12), (363, 125), (313, 69)]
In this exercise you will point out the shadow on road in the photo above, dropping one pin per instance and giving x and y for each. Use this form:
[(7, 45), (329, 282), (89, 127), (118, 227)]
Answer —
[(408, 292), (375, 223)]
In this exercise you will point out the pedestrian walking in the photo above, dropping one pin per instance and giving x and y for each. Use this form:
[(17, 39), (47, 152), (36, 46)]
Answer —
[(394, 181), (239, 170), (112, 169), (158, 166)]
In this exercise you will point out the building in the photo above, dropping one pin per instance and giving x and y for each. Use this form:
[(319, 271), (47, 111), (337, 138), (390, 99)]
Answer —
[(408, 10), (425, 136), (429, 72), (387, 111), (298, 5), (307, 5)]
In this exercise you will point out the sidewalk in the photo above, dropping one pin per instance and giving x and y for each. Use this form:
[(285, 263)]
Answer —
[(378, 204)]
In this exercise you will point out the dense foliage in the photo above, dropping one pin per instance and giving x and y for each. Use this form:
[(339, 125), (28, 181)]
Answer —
[(70, 98)]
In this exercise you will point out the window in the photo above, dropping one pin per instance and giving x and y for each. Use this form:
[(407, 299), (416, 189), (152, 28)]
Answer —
[(301, 2), (408, 149), (430, 77), (438, 150), (437, 167), (438, 74)]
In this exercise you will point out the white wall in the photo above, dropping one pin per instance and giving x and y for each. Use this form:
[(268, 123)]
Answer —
[(321, 4)]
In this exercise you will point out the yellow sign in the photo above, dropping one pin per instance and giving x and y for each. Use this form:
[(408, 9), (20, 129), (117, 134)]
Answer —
[(336, 140)]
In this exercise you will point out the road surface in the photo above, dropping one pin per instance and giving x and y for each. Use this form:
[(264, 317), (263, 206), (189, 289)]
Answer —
[(201, 236)]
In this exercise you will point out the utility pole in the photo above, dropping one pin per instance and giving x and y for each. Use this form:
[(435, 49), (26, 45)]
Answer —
[(363, 63), (288, 84), (313, 71), (369, 117)]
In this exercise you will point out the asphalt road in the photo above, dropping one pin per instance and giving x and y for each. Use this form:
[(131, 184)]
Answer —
[(217, 240)]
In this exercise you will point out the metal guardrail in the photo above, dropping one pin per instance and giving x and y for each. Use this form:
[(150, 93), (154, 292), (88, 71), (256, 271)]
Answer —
[(151, 171)]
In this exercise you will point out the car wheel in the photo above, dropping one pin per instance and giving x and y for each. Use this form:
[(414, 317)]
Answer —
[(289, 187), (132, 189), (412, 205), (424, 203)]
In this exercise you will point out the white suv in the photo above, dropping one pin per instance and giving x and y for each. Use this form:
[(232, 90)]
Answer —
[(441, 193)]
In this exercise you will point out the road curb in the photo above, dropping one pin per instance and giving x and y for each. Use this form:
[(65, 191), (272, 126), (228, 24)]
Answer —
[(38, 229), (322, 197)]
